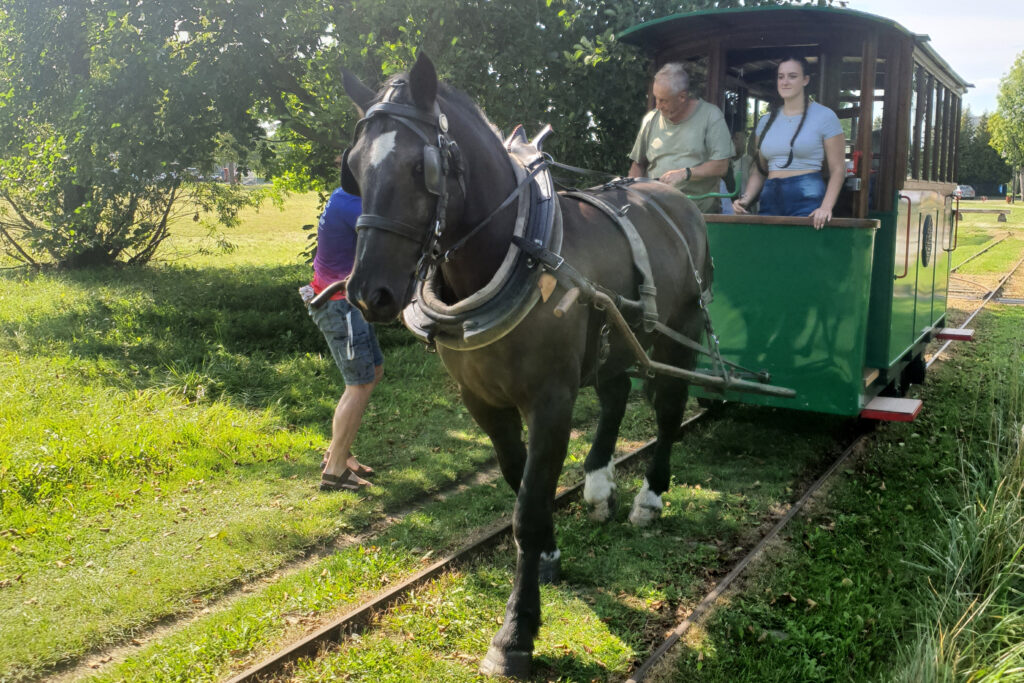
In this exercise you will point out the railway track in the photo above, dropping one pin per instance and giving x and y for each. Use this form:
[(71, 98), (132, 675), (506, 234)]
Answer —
[(358, 618), (703, 608), (362, 616)]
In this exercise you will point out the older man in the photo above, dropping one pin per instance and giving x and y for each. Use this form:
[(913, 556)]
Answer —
[(684, 141)]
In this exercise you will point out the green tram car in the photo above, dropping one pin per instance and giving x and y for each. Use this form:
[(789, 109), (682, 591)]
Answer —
[(841, 315)]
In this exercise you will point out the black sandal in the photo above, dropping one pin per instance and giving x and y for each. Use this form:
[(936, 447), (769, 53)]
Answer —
[(346, 481)]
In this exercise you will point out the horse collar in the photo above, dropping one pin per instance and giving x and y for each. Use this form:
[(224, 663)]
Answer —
[(496, 309)]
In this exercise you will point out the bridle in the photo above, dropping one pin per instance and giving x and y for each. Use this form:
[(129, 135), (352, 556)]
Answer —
[(441, 158)]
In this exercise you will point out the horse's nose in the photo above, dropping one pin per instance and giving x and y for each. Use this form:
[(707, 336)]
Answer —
[(378, 305)]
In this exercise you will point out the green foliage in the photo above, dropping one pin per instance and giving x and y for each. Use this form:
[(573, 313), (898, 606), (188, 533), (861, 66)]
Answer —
[(980, 163), (530, 63), (113, 113), (1008, 122)]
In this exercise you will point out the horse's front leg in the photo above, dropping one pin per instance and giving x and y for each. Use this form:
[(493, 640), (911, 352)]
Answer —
[(599, 489), (534, 531), (504, 426)]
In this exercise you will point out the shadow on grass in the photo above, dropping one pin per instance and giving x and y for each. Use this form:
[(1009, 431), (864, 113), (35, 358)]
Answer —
[(238, 331)]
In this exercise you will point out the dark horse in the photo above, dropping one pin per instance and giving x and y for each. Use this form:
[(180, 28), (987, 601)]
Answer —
[(434, 177)]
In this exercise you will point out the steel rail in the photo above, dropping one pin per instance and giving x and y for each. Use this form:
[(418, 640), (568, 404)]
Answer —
[(700, 611), (702, 608), (361, 616), (977, 254), (984, 303)]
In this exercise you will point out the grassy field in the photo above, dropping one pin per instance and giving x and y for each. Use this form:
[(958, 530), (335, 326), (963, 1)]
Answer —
[(910, 568), (160, 434), (160, 431)]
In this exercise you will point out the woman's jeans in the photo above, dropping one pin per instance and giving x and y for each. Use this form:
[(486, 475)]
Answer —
[(797, 195)]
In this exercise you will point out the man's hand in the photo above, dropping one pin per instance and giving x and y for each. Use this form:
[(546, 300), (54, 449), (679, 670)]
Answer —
[(673, 177)]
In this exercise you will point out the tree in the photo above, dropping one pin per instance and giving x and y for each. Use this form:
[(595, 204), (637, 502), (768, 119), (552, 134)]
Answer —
[(980, 164), (111, 102), (112, 113), (1007, 123), (524, 61)]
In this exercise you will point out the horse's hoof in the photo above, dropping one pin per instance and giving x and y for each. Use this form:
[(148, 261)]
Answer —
[(605, 509), (550, 570), (510, 663), (646, 507), (599, 492)]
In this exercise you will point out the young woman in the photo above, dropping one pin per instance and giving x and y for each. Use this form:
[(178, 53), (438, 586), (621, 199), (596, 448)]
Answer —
[(794, 141)]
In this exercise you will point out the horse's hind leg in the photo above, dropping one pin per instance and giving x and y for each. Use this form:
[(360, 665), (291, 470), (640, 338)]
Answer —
[(669, 401), (599, 490), (670, 396)]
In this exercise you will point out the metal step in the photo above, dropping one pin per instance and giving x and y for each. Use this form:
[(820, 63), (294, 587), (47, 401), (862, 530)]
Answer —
[(892, 409), (955, 333)]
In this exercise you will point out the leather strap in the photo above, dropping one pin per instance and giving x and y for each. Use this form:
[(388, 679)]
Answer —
[(410, 232), (641, 260)]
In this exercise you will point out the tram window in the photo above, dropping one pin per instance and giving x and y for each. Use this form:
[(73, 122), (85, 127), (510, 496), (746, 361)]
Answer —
[(938, 132), (929, 125), (951, 122), (914, 134), (920, 87)]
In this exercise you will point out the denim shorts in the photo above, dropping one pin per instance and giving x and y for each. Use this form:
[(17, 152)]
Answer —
[(351, 340), (797, 195)]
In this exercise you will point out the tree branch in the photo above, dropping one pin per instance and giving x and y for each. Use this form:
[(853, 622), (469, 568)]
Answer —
[(305, 131), (14, 243), (29, 224)]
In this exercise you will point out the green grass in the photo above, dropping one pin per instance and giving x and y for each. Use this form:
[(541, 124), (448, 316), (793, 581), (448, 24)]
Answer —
[(870, 586), (160, 431), (622, 586)]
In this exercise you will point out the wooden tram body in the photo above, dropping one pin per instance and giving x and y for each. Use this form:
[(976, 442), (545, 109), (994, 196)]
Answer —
[(841, 315)]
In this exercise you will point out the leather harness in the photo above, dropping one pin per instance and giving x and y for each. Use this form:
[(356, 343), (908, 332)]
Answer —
[(496, 309)]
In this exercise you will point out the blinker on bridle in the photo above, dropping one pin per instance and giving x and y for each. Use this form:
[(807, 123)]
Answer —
[(440, 157)]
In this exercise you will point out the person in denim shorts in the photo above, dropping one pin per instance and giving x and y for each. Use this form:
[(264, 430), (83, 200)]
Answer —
[(795, 140), (351, 339)]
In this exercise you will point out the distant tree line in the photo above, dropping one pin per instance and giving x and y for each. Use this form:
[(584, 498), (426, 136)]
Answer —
[(1007, 124), (111, 112), (981, 166)]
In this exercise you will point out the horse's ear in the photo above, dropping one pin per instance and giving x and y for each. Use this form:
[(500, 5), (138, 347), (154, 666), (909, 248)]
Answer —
[(360, 94), (423, 82)]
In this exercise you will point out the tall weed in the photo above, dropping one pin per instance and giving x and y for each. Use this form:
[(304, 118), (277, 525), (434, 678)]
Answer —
[(971, 626)]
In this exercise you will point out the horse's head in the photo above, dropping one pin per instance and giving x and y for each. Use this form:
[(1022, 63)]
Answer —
[(404, 166)]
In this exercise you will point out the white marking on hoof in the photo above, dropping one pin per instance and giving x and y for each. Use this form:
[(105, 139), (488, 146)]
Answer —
[(646, 506), (382, 147), (598, 490), (551, 557)]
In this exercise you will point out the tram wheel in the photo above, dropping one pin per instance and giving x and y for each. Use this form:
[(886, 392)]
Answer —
[(712, 406), (915, 371)]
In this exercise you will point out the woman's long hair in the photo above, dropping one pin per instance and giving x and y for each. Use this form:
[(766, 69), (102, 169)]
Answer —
[(776, 110)]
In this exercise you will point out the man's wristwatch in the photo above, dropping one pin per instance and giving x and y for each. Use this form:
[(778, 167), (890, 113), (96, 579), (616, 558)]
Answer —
[(688, 173)]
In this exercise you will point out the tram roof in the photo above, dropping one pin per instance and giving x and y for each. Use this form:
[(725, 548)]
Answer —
[(658, 34)]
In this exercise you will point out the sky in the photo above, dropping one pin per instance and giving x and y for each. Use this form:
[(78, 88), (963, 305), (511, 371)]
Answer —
[(979, 39)]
